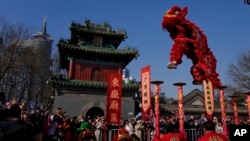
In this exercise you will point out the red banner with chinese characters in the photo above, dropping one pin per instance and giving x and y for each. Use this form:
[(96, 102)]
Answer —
[(114, 99), (145, 92), (208, 98)]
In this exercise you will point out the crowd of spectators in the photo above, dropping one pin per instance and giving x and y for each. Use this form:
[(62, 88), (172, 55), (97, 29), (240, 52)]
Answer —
[(39, 125)]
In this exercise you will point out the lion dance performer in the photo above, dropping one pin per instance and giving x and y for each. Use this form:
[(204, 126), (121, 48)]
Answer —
[(189, 40)]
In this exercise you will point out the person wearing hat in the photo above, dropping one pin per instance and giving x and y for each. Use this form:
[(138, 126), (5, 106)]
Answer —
[(86, 132), (84, 125)]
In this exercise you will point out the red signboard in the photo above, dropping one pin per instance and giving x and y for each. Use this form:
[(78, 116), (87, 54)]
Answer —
[(114, 98), (145, 91)]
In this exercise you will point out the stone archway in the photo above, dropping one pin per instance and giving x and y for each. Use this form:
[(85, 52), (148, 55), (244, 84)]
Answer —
[(93, 108), (94, 112)]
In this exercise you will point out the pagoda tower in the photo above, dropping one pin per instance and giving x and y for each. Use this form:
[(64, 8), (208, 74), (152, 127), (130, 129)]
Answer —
[(88, 57)]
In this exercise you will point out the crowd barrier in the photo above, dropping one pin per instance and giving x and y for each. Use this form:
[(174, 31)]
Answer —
[(192, 134)]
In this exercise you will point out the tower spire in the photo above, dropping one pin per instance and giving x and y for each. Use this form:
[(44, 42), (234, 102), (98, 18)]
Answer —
[(43, 34), (44, 31)]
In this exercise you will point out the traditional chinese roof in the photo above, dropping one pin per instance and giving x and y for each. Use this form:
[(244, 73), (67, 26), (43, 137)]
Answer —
[(193, 103), (200, 109), (57, 81), (63, 44), (105, 30), (120, 56), (92, 41), (194, 96)]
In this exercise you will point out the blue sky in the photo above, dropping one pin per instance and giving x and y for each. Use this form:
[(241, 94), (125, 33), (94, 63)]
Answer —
[(225, 22)]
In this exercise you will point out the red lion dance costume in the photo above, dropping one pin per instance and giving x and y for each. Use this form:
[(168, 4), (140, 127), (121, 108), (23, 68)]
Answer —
[(190, 41)]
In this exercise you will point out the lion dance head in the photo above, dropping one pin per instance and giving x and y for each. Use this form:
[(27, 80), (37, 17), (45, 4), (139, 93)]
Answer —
[(173, 17)]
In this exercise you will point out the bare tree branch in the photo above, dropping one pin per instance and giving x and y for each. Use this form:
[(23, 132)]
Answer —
[(239, 73)]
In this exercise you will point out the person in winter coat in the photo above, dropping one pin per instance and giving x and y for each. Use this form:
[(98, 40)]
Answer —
[(139, 128)]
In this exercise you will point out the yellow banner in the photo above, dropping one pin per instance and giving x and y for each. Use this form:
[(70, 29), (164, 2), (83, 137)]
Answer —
[(208, 96)]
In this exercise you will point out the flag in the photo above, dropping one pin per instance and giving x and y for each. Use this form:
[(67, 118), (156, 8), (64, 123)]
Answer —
[(209, 98), (145, 91), (114, 96)]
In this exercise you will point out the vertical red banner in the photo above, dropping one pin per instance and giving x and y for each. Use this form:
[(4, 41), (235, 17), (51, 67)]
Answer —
[(114, 96), (146, 92), (209, 98)]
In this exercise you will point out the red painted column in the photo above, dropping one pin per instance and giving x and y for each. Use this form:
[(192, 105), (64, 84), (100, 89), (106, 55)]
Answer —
[(157, 109), (71, 64), (180, 106), (235, 109), (223, 110)]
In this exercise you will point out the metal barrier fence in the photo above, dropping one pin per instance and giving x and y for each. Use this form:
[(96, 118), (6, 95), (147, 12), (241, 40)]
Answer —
[(192, 134)]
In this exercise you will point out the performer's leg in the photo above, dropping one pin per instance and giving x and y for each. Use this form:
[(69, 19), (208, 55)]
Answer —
[(175, 55)]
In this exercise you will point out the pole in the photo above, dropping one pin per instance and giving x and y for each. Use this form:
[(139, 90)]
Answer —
[(180, 106), (223, 110), (235, 109), (157, 109), (248, 102)]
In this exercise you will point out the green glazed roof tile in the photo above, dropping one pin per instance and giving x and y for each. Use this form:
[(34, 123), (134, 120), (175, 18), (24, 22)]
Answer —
[(126, 51), (93, 28)]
